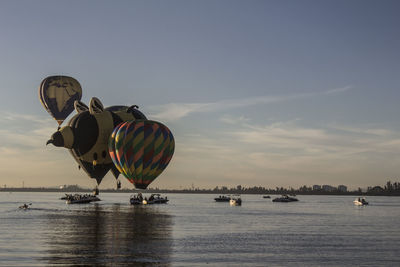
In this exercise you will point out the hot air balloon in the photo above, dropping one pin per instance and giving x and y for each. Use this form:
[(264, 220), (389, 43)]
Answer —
[(58, 94), (141, 150), (88, 132)]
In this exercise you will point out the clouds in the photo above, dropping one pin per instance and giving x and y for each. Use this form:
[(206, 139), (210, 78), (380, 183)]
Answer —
[(331, 153), (299, 116), (289, 153), (176, 111), (279, 151), (24, 155), (225, 150), (293, 137), (24, 131)]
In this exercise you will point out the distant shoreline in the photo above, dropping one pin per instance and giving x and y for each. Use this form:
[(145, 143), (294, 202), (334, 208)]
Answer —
[(197, 191)]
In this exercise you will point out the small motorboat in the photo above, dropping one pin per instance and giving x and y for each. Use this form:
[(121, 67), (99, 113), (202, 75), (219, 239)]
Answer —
[(285, 198), (360, 201), (138, 199), (223, 198), (157, 199), (235, 201), (266, 197), (81, 199)]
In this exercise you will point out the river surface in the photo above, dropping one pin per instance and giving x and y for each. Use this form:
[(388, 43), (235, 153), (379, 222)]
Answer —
[(194, 230)]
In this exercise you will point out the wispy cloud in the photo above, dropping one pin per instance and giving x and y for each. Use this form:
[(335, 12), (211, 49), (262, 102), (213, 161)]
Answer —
[(291, 150), (290, 146), (24, 155), (337, 90), (234, 120), (18, 117), (175, 111), (340, 140), (370, 130), (24, 131)]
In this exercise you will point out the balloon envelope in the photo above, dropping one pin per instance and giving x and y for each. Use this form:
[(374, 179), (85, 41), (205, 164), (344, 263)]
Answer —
[(57, 94), (141, 150)]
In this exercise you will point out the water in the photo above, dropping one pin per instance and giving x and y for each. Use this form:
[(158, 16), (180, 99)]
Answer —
[(193, 230)]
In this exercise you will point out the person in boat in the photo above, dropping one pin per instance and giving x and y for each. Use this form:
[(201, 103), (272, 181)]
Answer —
[(151, 198), (25, 206)]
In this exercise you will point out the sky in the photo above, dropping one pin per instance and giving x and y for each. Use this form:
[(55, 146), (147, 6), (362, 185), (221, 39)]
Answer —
[(256, 93)]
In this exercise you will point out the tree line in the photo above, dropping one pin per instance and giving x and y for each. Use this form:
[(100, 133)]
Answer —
[(388, 189)]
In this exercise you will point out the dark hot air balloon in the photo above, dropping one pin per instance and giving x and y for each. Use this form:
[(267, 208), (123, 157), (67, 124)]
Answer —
[(58, 94)]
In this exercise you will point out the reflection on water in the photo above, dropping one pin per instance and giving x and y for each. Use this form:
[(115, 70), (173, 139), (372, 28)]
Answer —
[(115, 235)]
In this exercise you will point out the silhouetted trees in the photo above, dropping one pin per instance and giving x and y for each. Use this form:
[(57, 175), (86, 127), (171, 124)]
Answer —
[(389, 189)]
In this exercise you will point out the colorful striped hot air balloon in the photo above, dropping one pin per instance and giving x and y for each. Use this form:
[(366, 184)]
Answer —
[(141, 150)]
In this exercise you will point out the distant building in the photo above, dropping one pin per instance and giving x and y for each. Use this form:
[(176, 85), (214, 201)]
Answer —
[(316, 187), (342, 188), (328, 188)]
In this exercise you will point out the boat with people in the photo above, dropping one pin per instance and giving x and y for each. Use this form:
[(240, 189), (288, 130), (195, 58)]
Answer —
[(235, 200), (223, 198), (137, 199), (158, 199), (285, 198), (360, 201), (266, 197), (80, 199)]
